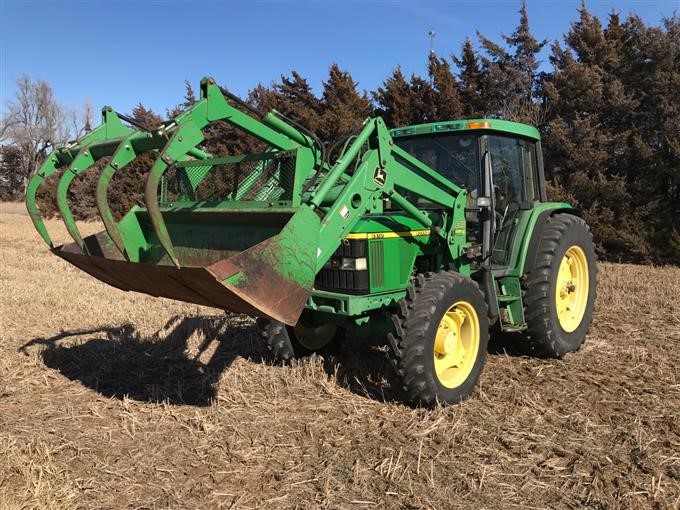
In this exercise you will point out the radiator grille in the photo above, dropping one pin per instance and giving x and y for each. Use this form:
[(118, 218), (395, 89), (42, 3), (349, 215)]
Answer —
[(377, 263)]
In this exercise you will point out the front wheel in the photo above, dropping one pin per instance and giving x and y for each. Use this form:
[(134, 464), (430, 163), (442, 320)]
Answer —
[(287, 343), (440, 338)]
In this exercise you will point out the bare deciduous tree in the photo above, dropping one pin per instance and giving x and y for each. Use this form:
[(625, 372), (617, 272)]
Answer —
[(32, 122)]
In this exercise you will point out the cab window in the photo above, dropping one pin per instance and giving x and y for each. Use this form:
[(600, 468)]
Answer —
[(455, 156), (507, 164), (508, 176), (531, 171)]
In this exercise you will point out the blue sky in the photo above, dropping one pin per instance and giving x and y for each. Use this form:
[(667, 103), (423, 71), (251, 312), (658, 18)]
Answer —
[(123, 52)]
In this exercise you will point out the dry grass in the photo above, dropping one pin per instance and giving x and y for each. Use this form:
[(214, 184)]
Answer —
[(115, 400)]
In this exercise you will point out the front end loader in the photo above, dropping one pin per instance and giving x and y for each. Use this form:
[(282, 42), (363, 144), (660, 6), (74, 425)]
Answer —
[(425, 235)]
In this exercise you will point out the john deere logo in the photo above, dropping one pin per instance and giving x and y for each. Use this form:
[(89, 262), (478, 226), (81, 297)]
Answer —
[(379, 176)]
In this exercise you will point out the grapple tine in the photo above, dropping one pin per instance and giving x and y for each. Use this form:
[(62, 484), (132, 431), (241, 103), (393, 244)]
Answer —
[(183, 140), (80, 163), (56, 160), (125, 153), (87, 157)]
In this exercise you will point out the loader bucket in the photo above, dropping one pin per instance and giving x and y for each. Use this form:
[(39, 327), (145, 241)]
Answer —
[(259, 262)]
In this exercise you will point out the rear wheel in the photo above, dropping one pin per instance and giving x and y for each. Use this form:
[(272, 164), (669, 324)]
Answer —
[(560, 289), (440, 339), (287, 343)]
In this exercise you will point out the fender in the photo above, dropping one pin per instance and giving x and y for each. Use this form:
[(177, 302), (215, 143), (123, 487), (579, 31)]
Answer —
[(541, 220)]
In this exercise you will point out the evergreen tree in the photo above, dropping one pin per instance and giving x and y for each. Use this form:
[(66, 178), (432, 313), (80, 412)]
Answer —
[(188, 102), (402, 103), (344, 109), (510, 78), (147, 117), (446, 102), (297, 100), (292, 97), (613, 117), (588, 41), (472, 94), (422, 100), (526, 49), (651, 77)]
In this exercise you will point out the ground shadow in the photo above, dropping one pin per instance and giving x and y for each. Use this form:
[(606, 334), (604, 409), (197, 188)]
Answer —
[(362, 365), (119, 362), (506, 344)]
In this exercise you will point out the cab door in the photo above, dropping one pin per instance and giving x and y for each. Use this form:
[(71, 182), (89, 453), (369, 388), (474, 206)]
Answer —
[(513, 165)]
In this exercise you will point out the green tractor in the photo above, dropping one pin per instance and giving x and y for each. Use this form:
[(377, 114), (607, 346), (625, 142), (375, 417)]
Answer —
[(425, 235)]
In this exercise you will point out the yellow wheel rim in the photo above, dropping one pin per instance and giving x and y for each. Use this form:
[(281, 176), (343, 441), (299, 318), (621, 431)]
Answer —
[(456, 344), (315, 337), (571, 291)]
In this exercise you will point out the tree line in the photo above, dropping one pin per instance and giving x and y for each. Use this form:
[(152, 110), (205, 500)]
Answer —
[(608, 109)]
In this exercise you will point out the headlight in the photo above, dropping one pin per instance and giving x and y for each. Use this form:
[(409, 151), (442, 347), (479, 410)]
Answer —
[(358, 264)]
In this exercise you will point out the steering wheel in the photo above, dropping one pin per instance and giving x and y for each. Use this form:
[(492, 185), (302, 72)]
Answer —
[(500, 217)]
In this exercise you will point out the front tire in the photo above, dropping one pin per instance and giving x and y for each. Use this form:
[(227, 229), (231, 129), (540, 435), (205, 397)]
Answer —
[(440, 338), (286, 343), (560, 289)]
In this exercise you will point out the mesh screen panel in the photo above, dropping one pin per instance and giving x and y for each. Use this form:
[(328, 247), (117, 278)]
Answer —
[(263, 177)]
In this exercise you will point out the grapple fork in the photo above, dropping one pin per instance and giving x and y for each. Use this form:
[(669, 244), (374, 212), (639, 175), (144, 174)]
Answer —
[(110, 129), (239, 252)]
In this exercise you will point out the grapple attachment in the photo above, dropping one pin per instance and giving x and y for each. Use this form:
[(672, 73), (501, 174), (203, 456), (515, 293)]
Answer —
[(226, 232)]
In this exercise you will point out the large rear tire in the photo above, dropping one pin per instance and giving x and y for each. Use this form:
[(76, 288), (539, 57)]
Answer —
[(560, 289), (440, 338)]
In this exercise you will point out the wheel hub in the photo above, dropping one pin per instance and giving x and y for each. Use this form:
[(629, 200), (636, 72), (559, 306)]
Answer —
[(571, 291), (456, 344), (314, 338)]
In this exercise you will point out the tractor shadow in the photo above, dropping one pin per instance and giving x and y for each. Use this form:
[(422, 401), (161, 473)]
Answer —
[(179, 364), (513, 345), (363, 366)]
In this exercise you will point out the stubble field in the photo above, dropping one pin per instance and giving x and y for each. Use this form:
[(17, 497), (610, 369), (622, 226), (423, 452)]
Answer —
[(118, 400)]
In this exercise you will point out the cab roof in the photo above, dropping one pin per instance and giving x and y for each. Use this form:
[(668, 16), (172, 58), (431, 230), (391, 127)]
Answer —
[(497, 125)]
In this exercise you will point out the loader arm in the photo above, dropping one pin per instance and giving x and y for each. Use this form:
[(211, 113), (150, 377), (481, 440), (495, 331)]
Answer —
[(291, 259), (188, 133), (385, 172)]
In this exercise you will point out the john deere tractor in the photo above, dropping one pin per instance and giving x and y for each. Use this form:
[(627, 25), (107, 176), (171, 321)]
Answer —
[(425, 235)]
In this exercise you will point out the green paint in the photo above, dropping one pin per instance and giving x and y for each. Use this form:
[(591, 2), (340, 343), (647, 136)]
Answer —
[(237, 280), (510, 299), (110, 129), (496, 126), (525, 230)]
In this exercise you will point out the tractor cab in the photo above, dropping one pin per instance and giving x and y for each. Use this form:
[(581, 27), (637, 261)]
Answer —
[(458, 150)]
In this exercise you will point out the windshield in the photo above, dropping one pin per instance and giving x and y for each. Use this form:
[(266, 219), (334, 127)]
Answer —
[(455, 156)]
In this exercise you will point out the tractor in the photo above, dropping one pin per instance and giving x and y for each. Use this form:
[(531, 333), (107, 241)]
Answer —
[(428, 236)]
